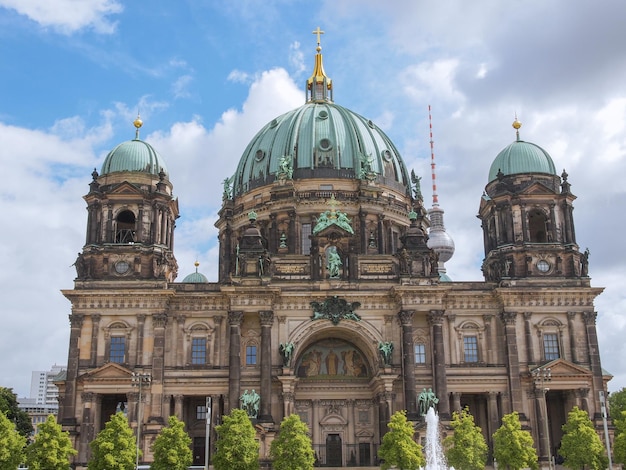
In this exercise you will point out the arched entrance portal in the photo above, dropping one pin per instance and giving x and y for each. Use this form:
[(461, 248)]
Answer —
[(336, 396)]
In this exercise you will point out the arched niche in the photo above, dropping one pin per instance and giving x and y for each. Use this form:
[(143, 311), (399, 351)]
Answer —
[(330, 358)]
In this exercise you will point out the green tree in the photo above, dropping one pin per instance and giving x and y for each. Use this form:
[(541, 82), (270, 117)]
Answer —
[(581, 446), (236, 446), (617, 404), (11, 444), (114, 448), (512, 446), (466, 448), (619, 443), (51, 449), (292, 449), (171, 448), (398, 448), (8, 405)]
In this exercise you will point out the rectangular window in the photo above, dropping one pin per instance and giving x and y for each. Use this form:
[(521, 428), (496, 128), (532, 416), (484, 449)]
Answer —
[(551, 346), (198, 351), (306, 241), (118, 349), (251, 355), (470, 348), (420, 353), (200, 412)]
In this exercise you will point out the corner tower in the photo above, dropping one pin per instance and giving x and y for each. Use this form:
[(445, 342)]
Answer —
[(526, 213), (131, 217)]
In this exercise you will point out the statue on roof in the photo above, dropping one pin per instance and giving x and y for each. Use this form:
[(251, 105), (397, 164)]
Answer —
[(285, 168), (417, 187), (228, 190)]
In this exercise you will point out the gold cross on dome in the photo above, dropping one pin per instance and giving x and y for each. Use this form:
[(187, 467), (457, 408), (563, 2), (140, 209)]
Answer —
[(319, 32)]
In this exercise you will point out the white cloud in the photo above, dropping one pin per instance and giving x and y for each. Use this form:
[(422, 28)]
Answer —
[(180, 86), (68, 16)]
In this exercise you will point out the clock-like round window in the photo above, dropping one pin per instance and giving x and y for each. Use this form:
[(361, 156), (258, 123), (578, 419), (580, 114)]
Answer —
[(260, 155), (386, 155), (122, 267), (543, 266)]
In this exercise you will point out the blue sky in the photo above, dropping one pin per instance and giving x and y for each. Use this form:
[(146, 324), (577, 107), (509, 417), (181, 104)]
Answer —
[(207, 75)]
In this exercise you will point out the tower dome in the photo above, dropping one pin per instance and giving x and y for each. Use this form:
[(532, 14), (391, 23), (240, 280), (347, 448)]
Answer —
[(195, 277), (134, 155), (521, 157)]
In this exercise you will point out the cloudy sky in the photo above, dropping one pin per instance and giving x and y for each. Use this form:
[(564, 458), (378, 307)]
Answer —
[(207, 74)]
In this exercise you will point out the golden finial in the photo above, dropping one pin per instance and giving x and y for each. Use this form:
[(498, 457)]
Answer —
[(516, 125), (137, 123), (196, 264)]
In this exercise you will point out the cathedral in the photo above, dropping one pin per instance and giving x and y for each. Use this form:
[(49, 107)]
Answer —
[(332, 299)]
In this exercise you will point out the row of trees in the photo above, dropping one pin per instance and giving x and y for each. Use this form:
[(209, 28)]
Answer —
[(236, 448), (513, 448)]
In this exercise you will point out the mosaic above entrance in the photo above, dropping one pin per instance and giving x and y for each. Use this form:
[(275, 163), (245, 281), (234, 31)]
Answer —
[(332, 358)]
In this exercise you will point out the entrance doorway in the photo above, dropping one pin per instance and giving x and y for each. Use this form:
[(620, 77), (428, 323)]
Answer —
[(333, 450)]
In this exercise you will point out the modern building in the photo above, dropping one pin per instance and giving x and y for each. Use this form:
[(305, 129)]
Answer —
[(330, 300), (43, 388)]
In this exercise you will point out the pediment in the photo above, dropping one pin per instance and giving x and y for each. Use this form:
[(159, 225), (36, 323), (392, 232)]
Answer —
[(334, 232), (537, 188), (126, 188), (108, 372), (333, 419), (561, 369)]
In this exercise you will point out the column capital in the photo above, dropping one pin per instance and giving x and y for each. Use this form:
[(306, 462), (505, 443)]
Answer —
[(235, 318), (590, 318), (267, 317), (76, 320), (435, 317), (159, 320), (508, 318), (406, 317)]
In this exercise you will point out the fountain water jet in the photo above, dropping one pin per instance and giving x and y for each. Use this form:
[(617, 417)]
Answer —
[(435, 459)]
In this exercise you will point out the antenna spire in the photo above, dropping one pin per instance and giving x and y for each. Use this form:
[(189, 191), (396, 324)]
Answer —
[(432, 160)]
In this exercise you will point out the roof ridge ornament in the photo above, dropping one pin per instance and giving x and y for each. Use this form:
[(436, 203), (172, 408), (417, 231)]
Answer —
[(516, 125)]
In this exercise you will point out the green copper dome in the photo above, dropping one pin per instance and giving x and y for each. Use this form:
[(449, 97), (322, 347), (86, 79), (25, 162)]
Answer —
[(195, 278), (521, 157), (133, 155), (321, 140)]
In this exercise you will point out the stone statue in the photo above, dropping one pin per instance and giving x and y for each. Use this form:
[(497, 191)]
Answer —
[(584, 263), (250, 403), (386, 350), (81, 266), (426, 401), (286, 352), (416, 180)]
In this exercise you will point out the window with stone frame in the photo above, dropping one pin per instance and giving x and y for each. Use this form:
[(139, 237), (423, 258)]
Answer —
[(116, 339), (305, 241), (550, 332), (551, 346), (471, 338), (470, 349), (251, 354), (117, 350), (198, 350), (420, 353)]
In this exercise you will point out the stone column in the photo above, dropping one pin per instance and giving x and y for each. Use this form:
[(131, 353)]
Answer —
[(408, 364), (492, 410), (594, 358), (234, 359), (95, 328), (512, 358), (178, 406), (456, 401), (159, 321), (178, 341), (452, 341), (528, 337), (491, 340), (69, 400), (141, 324), (381, 234), (571, 318), (87, 425), (267, 320), (542, 416), (218, 342), (435, 318)]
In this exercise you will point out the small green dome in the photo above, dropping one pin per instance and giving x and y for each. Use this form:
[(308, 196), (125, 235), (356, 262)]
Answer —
[(321, 140), (195, 278), (134, 155), (521, 157)]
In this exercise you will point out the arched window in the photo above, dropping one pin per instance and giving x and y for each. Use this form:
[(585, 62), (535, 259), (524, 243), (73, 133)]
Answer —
[(537, 226), (125, 227)]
